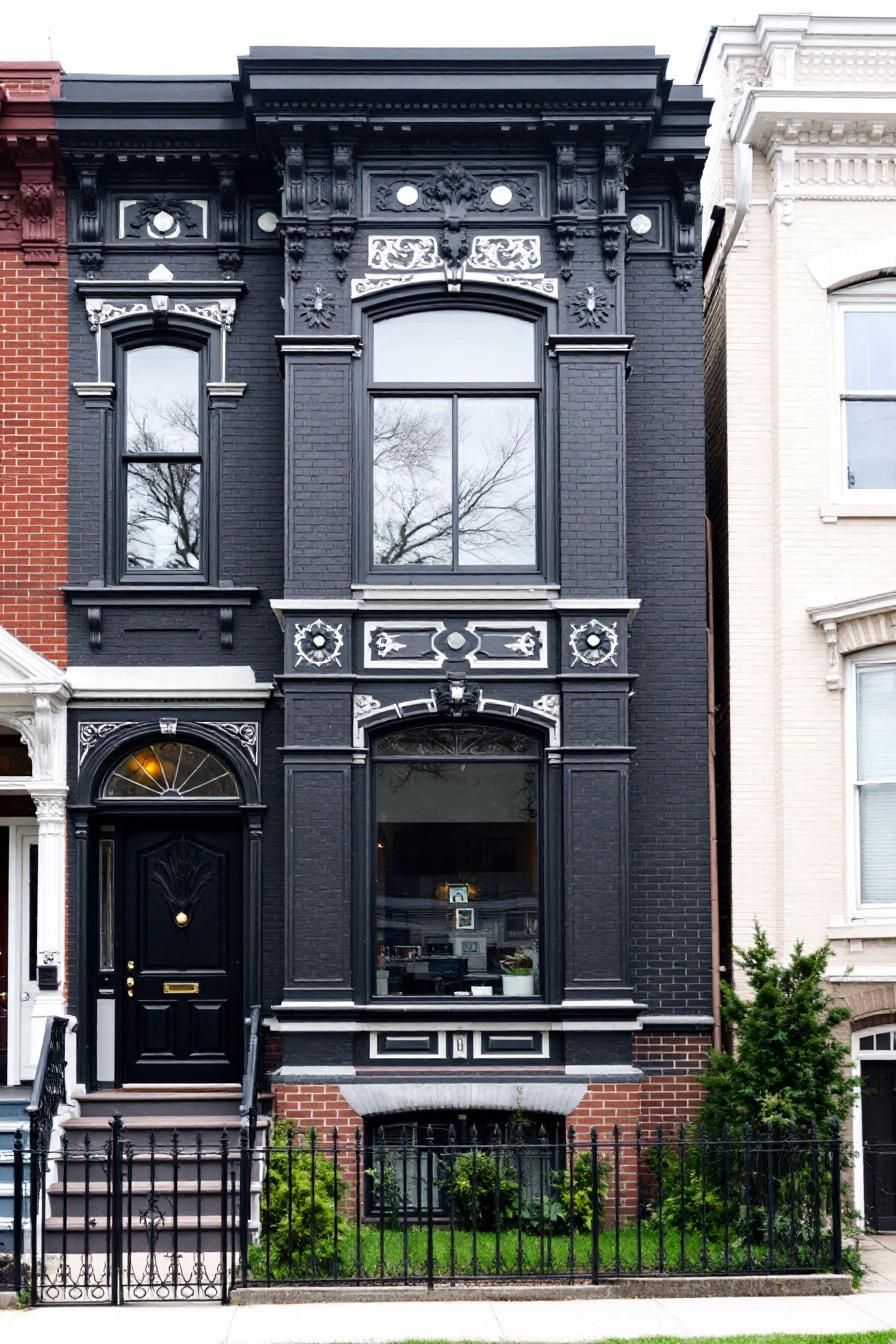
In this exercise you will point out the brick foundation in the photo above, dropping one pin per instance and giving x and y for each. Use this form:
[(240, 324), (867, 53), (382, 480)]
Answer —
[(669, 1095)]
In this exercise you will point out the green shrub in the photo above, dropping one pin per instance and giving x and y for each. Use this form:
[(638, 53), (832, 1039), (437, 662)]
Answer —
[(387, 1190), (581, 1197), (300, 1231), (482, 1188)]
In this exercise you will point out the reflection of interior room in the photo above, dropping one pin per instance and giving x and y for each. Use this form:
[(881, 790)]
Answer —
[(457, 878)]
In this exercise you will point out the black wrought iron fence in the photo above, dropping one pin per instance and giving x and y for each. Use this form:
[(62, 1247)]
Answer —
[(342, 1209), (160, 1216)]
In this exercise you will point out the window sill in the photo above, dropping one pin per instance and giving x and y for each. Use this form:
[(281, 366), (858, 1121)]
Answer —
[(867, 929), (878, 506), (94, 598)]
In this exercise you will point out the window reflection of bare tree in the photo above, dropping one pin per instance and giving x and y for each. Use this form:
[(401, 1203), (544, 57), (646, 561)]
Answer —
[(413, 516), (163, 496)]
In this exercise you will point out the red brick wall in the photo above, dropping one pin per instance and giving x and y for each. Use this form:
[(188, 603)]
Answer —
[(33, 363)]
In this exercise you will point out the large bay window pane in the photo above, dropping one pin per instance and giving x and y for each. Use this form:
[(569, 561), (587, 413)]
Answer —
[(496, 481), (457, 892), (412, 513)]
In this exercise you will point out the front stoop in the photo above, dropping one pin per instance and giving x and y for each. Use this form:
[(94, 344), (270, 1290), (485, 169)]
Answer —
[(747, 1285)]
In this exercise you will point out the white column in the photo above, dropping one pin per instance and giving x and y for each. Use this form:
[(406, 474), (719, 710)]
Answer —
[(49, 804)]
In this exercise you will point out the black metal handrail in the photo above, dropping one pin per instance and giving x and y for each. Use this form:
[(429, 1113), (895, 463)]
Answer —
[(249, 1099), (49, 1089)]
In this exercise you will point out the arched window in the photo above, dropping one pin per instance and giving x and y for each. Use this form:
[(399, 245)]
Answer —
[(171, 770), (457, 861), (866, 342), (454, 442), (162, 439)]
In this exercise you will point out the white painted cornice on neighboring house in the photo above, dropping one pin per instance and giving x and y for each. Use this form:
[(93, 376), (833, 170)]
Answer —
[(164, 685), (854, 624)]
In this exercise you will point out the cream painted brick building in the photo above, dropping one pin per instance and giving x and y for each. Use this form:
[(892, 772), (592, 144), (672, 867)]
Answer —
[(799, 200)]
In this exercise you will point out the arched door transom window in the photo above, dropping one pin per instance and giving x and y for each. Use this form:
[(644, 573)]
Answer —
[(172, 770), (457, 888)]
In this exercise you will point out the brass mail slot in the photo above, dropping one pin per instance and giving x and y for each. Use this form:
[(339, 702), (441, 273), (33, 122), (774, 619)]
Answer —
[(180, 986)]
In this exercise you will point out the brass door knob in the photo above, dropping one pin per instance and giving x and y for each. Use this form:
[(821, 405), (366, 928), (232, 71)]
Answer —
[(130, 982), (3, 996)]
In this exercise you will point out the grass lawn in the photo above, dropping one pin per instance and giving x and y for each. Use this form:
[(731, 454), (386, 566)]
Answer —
[(396, 1254), (868, 1337)]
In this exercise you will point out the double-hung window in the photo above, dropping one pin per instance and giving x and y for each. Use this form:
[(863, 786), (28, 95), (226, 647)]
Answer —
[(454, 443), (868, 393), (162, 437), (875, 783)]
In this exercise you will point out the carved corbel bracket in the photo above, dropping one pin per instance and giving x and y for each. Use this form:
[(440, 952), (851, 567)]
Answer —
[(230, 256), (89, 225), (293, 225), (565, 221), (36, 160), (343, 221), (687, 204), (616, 164)]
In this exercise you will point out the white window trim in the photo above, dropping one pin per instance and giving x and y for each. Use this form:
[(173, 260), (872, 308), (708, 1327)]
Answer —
[(843, 502), (857, 913), (858, 1054)]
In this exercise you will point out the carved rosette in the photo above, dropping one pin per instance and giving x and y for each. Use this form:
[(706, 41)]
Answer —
[(590, 307), (593, 643), (318, 644), (318, 307)]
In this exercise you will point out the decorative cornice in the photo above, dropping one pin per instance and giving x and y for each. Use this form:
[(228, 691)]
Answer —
[(859, 623)]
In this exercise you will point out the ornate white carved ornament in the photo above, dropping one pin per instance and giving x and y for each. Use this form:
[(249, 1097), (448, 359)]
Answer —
[(397, 259)]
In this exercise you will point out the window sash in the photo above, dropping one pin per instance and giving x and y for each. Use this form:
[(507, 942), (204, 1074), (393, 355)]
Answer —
[(853, 462), (458, 397), (196, 461), (874, 784)]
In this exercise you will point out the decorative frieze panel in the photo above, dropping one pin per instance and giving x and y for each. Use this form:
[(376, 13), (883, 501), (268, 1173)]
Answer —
[(163, 218), (484, 193), (417, 645), (403, 259), (245, 735)]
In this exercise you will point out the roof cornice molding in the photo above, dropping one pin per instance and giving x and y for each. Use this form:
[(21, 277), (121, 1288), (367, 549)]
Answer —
[(767, 118)]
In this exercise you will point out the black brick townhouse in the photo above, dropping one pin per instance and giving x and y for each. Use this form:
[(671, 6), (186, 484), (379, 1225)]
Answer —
[(387, 632)]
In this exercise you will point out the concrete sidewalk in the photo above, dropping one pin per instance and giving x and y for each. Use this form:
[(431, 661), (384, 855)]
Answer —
[(558, 1322)]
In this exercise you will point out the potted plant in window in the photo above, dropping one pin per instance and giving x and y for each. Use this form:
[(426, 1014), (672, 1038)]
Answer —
[(518, 975)]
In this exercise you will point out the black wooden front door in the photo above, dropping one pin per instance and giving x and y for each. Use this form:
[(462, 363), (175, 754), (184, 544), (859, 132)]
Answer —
[(183, 1014), (879, 1142)]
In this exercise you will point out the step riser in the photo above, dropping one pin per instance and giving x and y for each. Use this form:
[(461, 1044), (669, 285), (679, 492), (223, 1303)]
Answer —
[(137, 1135), (97, 1107), (188, 1206)]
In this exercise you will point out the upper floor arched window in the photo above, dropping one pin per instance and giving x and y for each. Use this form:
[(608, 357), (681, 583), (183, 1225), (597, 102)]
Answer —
[(453, 427), (162, 441), (866, 347)]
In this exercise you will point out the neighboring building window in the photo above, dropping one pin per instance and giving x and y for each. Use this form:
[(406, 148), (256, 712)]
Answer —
[(453, 425), (162, 460), (876, 783), (457, 861), (868, 396)]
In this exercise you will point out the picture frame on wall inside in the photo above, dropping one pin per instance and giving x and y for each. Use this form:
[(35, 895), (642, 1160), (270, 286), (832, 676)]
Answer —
[(458, 893), (465, 917)]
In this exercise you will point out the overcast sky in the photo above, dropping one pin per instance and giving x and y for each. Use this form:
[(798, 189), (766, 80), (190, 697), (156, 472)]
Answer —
[(206, 36)]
